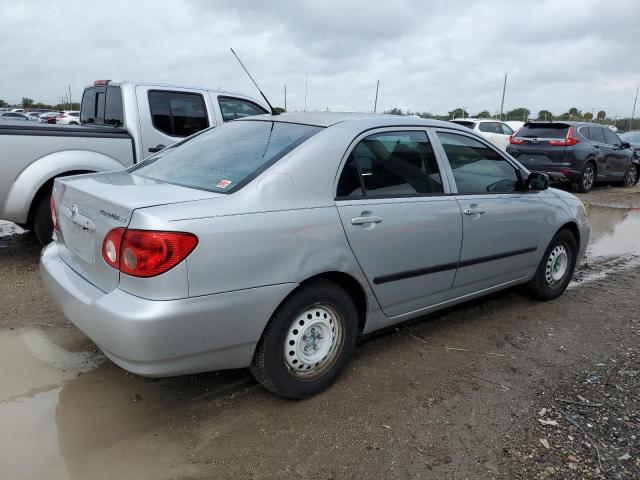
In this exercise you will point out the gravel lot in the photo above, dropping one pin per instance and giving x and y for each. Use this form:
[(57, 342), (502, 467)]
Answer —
[(502, 388)]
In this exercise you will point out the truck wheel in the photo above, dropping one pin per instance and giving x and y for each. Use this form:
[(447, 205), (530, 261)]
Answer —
[(587, 178), (556, 267), (42, 222), (631, 177), (307, 342)]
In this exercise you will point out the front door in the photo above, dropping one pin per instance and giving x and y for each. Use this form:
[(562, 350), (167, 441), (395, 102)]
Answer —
[(405, 232), (504, 229)]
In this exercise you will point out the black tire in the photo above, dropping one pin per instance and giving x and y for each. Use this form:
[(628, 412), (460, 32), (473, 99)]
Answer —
[(544, 286), (270, 367), (73, 123), (587, 178), (42, 223), (631, 176)]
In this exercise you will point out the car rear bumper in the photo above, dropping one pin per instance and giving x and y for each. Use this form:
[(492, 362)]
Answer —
[(557, 173), (168, 337)]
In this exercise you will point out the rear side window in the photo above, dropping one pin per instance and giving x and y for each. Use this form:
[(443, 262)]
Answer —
[(476, 167), (102, 106), (490, 127), (596, 134), (226, 157), (610, 137), (178, 114), (234, 108), (391, 164), (545, 130)]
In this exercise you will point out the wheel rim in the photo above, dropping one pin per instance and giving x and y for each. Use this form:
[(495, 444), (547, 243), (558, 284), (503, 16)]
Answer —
[(313, 341), (588, 177), (631, 176), (557, 265)]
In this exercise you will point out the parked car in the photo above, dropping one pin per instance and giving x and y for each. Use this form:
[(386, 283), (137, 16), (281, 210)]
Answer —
[(633, 139), (44, 117), (143, 118), (576, 152), (275, 242), (13, 116), (515, 125), (495, 131), (68, 117), (34, 116)]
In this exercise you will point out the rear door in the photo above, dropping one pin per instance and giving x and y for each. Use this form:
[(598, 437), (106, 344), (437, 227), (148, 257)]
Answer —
[(169, 115), (404, 228), (502, 226)]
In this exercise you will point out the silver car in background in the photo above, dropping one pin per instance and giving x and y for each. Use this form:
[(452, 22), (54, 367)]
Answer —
[(276, 242)]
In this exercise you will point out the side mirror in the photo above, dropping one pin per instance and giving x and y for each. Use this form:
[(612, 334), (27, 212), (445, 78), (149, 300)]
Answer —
[(626, 145), (538, 181)]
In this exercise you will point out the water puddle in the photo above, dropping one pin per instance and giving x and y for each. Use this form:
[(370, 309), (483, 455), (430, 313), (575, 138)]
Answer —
[(614, 244)]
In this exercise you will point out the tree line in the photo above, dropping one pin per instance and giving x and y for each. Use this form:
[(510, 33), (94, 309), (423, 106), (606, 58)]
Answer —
[(524, 114), (29, 103)]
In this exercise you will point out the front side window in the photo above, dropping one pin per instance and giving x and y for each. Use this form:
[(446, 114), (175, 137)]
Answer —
[(224, 158), (234, 108), (611, 138), (391, 164), (476, 167), (178, 114)]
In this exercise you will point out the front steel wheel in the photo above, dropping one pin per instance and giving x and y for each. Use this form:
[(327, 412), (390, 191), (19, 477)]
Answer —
[(556, 267), (307, 342)]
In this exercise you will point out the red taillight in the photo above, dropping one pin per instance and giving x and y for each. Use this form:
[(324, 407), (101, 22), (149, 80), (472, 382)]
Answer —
[(54, 214), (515, 141), (101, 83), (146, 253), (568, 141)]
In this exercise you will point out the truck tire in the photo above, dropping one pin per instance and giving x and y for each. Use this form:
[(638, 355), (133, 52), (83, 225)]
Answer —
[(42, 222)]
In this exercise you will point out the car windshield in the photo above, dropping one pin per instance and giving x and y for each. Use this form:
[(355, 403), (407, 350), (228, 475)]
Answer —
[(631, 137), (224, 158)]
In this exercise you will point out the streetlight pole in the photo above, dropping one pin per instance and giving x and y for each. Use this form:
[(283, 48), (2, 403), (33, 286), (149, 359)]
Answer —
[(375, 103), (504, 89), (634, 108), (285, 97)]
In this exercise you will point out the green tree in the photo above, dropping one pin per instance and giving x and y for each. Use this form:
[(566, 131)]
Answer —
[(27, 102), (545, 115), (458, 113), (588, 116), (484, 114), (279, 109), (574, 113), (601, 116), (395, 111), (3, 104), (520, 113)]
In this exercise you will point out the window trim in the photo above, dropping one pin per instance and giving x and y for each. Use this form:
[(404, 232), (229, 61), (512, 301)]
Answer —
[(172, 135), (520, 171), (444, 174), (231, 97)]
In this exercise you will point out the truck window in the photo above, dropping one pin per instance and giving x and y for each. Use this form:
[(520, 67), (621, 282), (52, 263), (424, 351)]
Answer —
[(178, 114), (233, 108), (102, 106)]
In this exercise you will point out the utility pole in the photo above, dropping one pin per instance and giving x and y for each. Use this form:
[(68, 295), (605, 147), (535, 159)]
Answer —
[(375, 103), (306, 89), (634, 108), (62, 101), (70, 102), (504, 89), (285, 97)]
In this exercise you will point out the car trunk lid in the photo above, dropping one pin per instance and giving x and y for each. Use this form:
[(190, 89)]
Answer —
[(89, 206), (533, 144)]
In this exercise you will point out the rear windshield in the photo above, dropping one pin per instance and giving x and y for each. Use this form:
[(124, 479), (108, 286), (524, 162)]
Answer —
[(545, 130), (465, 124), (102, 106), (224, 158)]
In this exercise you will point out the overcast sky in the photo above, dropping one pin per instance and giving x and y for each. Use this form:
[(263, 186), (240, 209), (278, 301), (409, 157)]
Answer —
[(429, 56)]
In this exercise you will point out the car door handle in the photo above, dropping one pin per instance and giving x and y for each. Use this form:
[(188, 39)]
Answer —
[(365, 220), (155, 149), (473, 211)]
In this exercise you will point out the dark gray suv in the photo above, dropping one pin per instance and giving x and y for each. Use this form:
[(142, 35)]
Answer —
[(577, 152)]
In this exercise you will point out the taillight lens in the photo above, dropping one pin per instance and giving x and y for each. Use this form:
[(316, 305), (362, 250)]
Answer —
[(515, 141), (568, 141), (54, 214), (146, 253)]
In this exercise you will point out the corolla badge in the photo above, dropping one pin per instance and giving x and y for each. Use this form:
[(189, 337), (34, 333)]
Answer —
[(115, 216), (74, 210)]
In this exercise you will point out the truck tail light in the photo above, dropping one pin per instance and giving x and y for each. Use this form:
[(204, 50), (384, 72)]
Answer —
[(146, 253), (515, 141), (54, 214), (568, 141)]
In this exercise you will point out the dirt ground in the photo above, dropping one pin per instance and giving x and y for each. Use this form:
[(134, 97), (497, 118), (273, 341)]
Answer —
[(503, 388)]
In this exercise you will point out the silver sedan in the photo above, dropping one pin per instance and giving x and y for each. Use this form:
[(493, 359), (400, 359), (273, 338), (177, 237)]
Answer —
[(276, 242)]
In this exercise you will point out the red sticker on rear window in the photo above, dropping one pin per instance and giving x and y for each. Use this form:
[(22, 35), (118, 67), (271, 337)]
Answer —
[(223, 183)]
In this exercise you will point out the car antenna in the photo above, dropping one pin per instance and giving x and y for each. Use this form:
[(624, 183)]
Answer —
[(273, 111)]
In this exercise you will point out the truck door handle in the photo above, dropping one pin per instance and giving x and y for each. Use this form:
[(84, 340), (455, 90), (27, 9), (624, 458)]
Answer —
[(365, 220), (473, 211), (155, 149)]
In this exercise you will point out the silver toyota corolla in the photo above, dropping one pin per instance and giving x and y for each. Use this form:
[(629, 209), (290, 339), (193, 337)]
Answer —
[(276, 242)]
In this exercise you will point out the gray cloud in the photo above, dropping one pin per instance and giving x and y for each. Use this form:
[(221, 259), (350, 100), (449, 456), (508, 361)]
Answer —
[(429, 56)]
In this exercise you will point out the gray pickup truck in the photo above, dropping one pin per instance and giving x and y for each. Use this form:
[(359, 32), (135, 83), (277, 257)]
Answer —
[(122, 123)]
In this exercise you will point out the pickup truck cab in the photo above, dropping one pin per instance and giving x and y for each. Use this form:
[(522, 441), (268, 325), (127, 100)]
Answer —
[(122, 123)]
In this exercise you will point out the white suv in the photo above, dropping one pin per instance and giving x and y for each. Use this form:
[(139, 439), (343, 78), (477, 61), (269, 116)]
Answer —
[(68, 117), (495, 131)]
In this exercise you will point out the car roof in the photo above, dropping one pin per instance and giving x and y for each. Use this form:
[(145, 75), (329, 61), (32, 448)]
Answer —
[(327, 119), (471, 119)]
